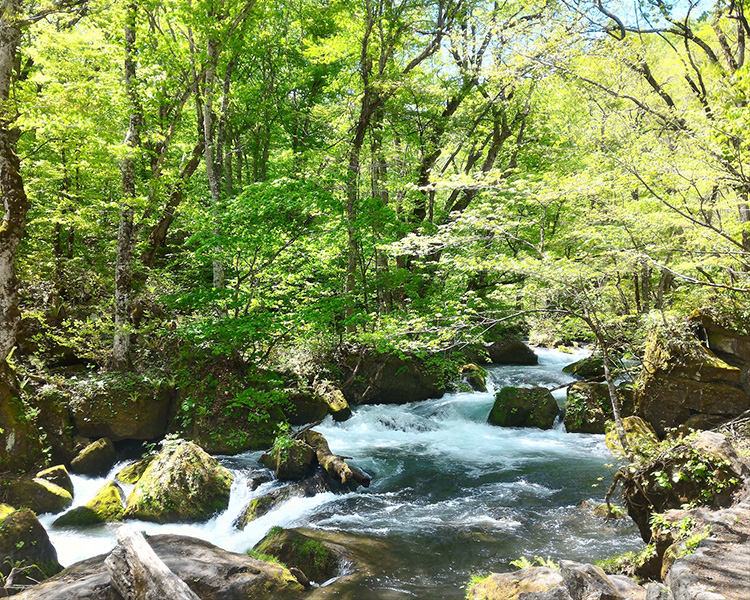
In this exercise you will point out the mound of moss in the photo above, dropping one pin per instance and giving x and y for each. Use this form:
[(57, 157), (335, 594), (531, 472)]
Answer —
[(182, 483)]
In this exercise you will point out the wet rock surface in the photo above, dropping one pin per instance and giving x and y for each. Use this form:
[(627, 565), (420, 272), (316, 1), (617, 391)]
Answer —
[(212, 573)]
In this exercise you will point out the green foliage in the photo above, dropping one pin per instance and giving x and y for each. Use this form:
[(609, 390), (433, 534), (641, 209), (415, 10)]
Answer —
[(524, 563)]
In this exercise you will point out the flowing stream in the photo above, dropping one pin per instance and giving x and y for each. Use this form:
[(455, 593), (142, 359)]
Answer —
[(451, 496)]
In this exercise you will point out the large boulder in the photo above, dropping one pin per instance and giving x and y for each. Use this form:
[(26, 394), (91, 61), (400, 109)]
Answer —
[(212, 573), (40, 495), (293, 460), (318, 560), (591, 368), (107, 506), (703, 470), (120, 408), (182, 483), (524, 407), (59, 476), (25, 543), (511, 586), (574, 581), (21, 447), (684, 383), (588, 406), (714, 568), (95, 459), (52, 407), (391, 379), (305, 405), (511, 351)]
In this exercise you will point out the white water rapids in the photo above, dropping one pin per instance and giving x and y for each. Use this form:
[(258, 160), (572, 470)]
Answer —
[(451, 496)]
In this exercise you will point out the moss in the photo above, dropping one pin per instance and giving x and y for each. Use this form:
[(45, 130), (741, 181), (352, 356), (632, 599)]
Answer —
[(182, 483), (524, 407), (132, 473), (5, 510), (107, 506), (39, 495)]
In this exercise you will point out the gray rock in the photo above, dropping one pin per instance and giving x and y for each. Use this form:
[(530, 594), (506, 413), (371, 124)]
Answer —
[(587, 582), (95, 459), (212, 573), (512, 351), (657, 591)]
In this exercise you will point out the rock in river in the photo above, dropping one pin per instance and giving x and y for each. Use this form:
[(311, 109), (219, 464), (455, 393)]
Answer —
[(182, 483), (524, 407), (212, 573)]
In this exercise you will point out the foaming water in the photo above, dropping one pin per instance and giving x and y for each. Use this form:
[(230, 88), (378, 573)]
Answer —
[(450, 496)]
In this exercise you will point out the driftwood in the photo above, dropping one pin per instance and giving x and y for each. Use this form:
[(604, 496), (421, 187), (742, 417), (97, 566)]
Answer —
[(137, 573), (333, 464)]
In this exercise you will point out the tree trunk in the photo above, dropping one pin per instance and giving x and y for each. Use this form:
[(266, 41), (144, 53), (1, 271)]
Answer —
[(15, 203), (159, 232), (214, 177), (125, 239), (137, 573), (333, 464)]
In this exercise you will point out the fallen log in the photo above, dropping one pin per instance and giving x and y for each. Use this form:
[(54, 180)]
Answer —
[(137, 573), (334, 464)]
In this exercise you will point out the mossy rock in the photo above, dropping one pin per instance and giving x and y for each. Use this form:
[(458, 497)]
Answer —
[(516, 585), (210, 572), (292, 462), (182, 483), (396, 379), (511, 351), (305, 406), (262, 505), (95, 459), (639, 435), (591, 367), (588, 406), (53, 417), (132, 473), (702, 470), (681, 380), (39, 495), (21, 447), (107, 506), (59, 476), (129, 408), (318, 560), (338, 407), (24, 542), (5, 510), (524, 407), (475, 376)]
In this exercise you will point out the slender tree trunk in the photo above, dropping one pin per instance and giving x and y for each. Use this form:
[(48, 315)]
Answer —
[(125, 238), (159, 233), (214, 177), (15, 203)]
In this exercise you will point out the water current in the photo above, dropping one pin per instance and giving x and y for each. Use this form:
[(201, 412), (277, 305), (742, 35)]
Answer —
[(451, 496)]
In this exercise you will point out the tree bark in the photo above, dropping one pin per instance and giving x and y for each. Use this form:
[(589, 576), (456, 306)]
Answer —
[(159, 232), (15, 202), (333, 464), (125, 238), (137, 573)]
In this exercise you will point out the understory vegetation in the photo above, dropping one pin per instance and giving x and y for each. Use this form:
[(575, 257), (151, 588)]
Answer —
[(267, 185)]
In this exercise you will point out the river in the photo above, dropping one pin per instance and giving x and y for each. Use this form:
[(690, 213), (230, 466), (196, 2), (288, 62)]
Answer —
[(451, 496)]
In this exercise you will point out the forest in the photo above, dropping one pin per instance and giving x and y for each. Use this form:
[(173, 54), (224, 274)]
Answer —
[(216, 210)]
